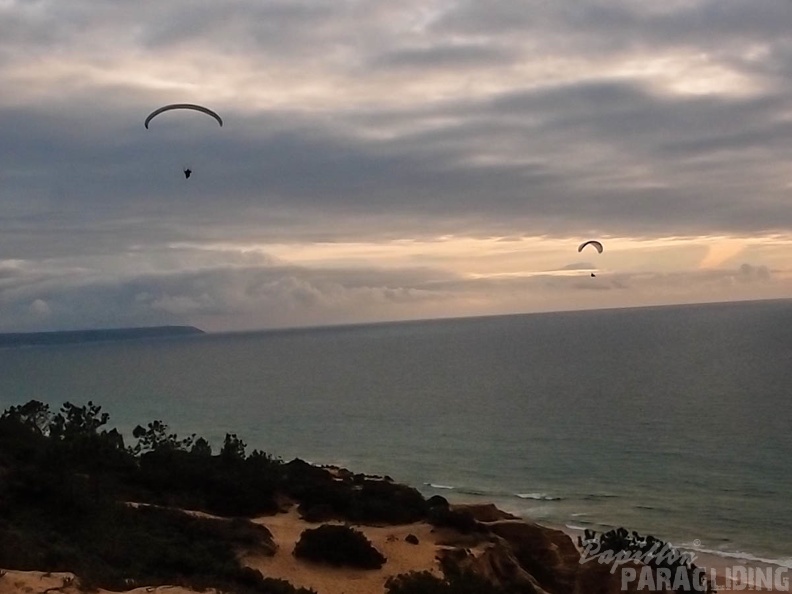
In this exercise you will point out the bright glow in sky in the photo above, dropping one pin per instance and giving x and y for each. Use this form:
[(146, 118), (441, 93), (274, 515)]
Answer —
[(389, 161)]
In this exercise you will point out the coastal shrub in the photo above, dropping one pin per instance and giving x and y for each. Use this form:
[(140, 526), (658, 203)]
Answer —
[(111, 545), (78, 441), (21, 442), (193, 480), (155, 437), (338, 545), (423, 582), (378, 501), (34, 415), (437, 501), (259, 460), (317, 514), (459, 520), (306, 483), (164, 469), (416, 582), (182, 472), (649, 550), (233, 448), (201, 448), (70, 438), (63, 475), (76, 421), (364, 502)]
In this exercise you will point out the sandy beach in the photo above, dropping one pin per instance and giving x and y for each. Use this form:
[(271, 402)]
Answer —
[(402, 557), (38, 582), (742, 576), (732, 575)]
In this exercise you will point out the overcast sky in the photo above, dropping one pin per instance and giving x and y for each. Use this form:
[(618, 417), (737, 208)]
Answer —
[(389, 160)]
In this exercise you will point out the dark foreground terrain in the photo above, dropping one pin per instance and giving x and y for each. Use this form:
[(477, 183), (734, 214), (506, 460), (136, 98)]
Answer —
[(169, 511)]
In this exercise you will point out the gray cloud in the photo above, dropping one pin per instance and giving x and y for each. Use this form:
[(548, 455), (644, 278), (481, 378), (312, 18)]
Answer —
[(444, 56), (621, 25), (280, 294), (59, 294), (611, 157), (417, 120)]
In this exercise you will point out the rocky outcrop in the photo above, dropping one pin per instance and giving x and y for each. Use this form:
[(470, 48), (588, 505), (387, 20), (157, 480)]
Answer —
[(497, 564), (595, 578), (437, 501), (531, 559), (483, 512), (548, 555)]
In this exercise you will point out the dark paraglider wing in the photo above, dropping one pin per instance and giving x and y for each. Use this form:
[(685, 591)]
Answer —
[(593, 242), (192, 106)]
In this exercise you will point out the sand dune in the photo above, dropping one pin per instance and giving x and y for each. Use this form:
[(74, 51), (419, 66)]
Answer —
[(286, 528), (38, 582), (402, 556)]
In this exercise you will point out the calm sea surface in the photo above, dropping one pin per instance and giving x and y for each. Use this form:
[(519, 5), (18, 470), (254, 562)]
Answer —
[(674, 421)]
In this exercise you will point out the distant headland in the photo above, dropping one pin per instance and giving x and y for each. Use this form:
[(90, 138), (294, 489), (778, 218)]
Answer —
[(79, 336)]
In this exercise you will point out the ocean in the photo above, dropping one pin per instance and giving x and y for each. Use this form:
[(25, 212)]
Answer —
[(673, 421)]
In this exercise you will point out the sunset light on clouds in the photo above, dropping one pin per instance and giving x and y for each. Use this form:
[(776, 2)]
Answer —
[(387, 161)]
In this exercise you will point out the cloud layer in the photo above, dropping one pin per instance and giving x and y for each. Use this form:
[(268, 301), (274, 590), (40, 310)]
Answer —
[(665, 130)]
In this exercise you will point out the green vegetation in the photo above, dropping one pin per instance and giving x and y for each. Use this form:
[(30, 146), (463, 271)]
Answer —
[(75, 498), (652, 551), (338, 545), (67, 482), (423, 582), (460, 520), (359, 499)]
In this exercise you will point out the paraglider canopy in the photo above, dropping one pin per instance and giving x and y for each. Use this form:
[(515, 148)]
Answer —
[(597, 245), (192, 106)]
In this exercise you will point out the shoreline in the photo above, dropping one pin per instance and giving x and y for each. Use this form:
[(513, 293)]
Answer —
[(738, 557), (170, 511), (726, 573), (699, 553), (734, 571), (287, 526)]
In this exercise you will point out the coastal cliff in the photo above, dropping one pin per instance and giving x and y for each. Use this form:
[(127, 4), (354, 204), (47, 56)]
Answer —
[(17, 339), (83, 511)]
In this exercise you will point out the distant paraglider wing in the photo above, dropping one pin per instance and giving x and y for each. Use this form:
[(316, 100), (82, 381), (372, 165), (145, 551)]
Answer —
[(593, 242), (192, 106)]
